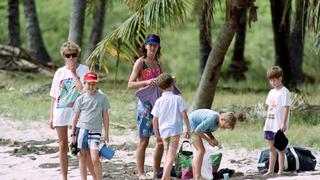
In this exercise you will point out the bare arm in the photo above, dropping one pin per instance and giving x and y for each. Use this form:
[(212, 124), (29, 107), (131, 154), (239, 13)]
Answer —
[(75, 119), (285, 119), (106, 122), (156, 129), (212, 141), (51, 112), (77, 81), (186, 122)]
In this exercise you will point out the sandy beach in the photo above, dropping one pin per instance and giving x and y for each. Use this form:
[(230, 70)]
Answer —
[(30, 151)]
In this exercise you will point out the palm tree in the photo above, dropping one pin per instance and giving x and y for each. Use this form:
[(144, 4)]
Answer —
[(297, 40), (205, 19), (76, 25), (148, 16), (13, 23), (97, 27), (280, 12), (238, 65), (36, 45), (206, 89)]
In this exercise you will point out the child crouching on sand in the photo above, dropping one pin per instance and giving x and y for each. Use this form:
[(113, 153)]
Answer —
[(202, 123), (90, 111), (168, 113)]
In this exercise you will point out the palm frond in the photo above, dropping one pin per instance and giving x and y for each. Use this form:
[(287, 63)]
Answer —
[(152, 16), (313, 16)]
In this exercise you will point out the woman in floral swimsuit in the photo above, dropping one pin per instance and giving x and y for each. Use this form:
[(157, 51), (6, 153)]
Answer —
[(145, 71)]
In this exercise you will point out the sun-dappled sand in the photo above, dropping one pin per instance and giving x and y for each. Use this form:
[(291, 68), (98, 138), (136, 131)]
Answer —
[(29, 150)]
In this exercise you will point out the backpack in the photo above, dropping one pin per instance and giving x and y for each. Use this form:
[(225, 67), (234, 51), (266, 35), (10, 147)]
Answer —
[(296, 159)]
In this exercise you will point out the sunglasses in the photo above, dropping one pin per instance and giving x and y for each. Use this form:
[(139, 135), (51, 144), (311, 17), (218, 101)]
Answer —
[(71, 55)]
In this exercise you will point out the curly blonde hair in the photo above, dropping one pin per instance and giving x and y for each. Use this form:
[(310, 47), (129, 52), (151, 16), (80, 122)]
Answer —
[(69, 47)]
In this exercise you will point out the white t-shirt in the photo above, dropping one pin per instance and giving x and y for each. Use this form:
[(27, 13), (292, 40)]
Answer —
[(168, 110), (64, 90), (276, 101)]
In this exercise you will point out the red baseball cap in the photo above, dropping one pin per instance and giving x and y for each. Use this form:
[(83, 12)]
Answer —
[(91, 77)]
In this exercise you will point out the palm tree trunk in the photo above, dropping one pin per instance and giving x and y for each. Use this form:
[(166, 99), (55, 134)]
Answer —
[(37, 48), (205, 33), (281, 30), (13, 23), (76, 25), (209, 79), (238, 66), (97, 27), (296, 44)]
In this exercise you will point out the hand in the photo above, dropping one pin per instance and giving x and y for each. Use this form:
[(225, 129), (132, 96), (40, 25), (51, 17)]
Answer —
[(106, 140), (213, 142), (283, 127), (187, 135), (158, 140), (73, 140), (174, 79), (152, 82), (51, 124), (72, 65)]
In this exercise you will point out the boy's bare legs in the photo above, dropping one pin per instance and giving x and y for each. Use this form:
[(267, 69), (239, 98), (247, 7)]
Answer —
[(170, 154), (90, 167), (83, 161), (140, 155), (157, 157), (281, 161), (96, 163), (198, 158), (272, 158), (62, 133)]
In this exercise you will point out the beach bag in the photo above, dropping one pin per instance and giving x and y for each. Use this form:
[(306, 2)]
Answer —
[(296, 159), (183, 162), (215, 161), (211, 161)]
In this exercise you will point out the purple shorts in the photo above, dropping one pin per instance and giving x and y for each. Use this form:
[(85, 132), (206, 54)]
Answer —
[(269, 135)]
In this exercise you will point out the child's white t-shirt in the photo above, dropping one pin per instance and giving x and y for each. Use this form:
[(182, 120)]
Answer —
[(276, 101), (168, 110), (64, 90)]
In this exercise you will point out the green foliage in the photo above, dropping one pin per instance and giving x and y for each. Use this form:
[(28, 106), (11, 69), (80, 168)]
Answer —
[(180, 57)]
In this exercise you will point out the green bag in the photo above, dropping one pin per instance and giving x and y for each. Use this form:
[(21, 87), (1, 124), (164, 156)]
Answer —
[(183, 159), (215, 161)]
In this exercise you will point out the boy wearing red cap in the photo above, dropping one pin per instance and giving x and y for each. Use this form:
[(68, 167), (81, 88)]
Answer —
[(90, 111)]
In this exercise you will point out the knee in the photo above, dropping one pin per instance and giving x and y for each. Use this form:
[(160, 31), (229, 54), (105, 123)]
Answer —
[(143, 144), (95, 160), (201, 151), (63, 145)]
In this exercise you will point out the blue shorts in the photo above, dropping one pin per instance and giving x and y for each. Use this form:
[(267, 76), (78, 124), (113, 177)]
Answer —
[(87, 139), (144, 119), (269, 135)]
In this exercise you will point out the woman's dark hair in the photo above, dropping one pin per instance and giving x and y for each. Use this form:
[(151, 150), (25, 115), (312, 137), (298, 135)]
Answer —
[(143, 52)]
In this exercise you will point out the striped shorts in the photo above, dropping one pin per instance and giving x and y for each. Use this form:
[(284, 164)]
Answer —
[(87, 139)]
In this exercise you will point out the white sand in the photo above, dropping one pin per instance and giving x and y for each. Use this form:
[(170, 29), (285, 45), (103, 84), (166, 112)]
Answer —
[(12, 167)]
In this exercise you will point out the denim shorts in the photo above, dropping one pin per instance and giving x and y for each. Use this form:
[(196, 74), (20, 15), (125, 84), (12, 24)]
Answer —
[(269, 135)]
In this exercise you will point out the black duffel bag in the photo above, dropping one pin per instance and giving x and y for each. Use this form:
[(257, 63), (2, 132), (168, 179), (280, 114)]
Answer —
[(297, 159)]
